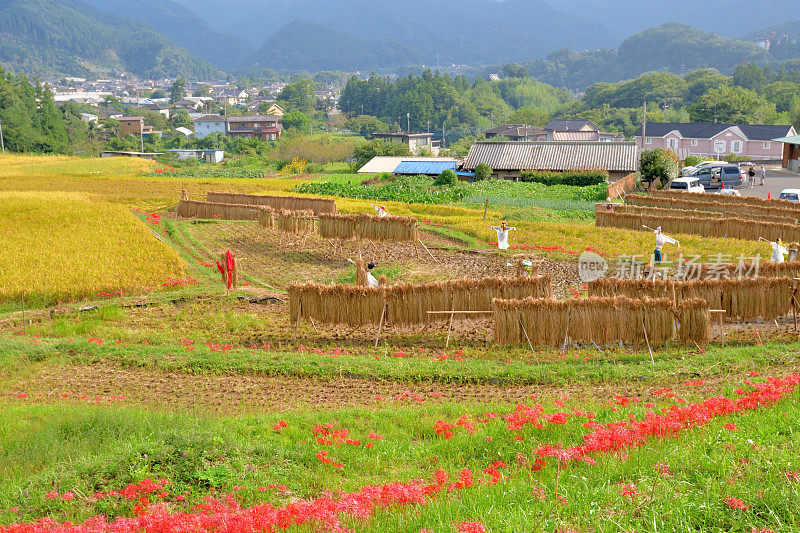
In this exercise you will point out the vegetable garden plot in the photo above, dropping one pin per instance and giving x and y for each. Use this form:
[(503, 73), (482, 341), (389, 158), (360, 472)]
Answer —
[(601, 321), (289, 203)]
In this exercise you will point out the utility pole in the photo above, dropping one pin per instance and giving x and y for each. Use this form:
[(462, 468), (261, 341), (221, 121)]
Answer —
[(141, 135), (408, 117), (311, 131), (429, 126), (2, 142), (491, 118), (443, 139), (644, 126)]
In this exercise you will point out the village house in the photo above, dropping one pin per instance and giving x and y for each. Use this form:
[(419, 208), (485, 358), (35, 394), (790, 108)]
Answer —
[(509, 159), (416, 142), (517, 132), (716, 140), (208, 124), (264, 127), (133, 126), (791, 152), (579, 130)]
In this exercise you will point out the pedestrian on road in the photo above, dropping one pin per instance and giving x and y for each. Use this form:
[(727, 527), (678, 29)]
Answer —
[(763, 174), (752, 174)]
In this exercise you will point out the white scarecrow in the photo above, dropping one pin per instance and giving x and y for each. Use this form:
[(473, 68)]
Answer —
[(502, 235), (661, 240), (371, 281), (778, 250), (380, 210)]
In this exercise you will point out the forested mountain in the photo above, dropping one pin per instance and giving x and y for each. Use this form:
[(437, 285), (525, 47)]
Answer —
[(49, 37), (185, 28), (387, 33), (729, 18), (671, 47), (302, 45)]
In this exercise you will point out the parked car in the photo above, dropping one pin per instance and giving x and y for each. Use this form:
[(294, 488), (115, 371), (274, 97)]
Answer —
[(685, 171), (713, 176), (686, 184), (791, 195)]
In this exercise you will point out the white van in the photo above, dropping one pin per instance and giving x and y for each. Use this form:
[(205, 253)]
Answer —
[(688, 184)]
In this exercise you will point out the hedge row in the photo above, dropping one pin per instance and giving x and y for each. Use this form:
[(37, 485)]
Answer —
[(579, 178)]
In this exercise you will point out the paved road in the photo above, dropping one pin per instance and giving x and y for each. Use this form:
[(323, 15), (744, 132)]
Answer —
[(777, 180)]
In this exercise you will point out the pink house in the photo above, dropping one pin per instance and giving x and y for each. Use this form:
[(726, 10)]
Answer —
[(716, 140)]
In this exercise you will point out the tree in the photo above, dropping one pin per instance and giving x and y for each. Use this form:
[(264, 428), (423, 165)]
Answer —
[(750, 76), (365, 124), (202, 90), (177, 90), (447, 177), (530, 116), (483, 172), (295, 120), (699, 82), (781, 94), (364, 152), (733, 105), (298, 95), (659, 164), (515, 70), (181, 120)]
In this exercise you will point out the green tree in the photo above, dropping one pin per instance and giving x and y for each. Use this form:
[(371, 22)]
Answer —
[(781, 94), (659, 164), (202, 90), (364, 152), (750, 76), (448, 177), (699, 82), (483, 171), (733, 105), (298, 95), (177, 90), (181, 120), (295, 120), (530, 116), (365, 124)]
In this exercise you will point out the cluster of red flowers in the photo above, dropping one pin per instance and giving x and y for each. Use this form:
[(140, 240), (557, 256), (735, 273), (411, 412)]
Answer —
[(174, 282), (227, 515)]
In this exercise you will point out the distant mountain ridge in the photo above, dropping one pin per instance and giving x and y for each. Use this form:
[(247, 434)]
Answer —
[(70, 37), (185, 28)]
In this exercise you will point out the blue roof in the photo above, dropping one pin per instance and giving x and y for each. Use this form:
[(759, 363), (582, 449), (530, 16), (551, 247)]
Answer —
[(431, 168)]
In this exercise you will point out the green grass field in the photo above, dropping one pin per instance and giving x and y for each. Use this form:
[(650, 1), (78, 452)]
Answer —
[(186, 409)]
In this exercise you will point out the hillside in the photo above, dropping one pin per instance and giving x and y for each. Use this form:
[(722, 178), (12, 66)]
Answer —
[(671, 47), (372, 33), (185, 28), (57, 37), (302, 45)]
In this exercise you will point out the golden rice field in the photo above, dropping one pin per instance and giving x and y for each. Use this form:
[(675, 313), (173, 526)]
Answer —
[(64, 246)]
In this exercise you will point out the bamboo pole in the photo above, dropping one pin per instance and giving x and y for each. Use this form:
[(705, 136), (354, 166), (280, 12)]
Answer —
[(566, 334), (526, 333), (380, 325), (450, 328), (652, 360), (429, 252), (297, 323), (24, 322)]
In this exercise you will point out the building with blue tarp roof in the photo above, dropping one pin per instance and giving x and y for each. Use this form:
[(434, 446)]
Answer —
[(429, 168)]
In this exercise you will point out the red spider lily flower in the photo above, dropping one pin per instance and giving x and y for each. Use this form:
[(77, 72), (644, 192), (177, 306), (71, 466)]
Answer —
[(736, 503), (471, 527), (791, 475), (765, 530), (629, 490), (731, 427)]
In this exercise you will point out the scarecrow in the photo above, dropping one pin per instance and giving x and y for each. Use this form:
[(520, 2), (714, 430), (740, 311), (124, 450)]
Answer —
[(661, 240), (380, 210), (502, 235), (371, 281), (778, 250)]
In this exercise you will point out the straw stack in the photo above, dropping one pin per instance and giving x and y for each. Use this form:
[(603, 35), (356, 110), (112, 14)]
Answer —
[(602, 321), (732, 200), (294, 221), (195, 209), (787, 215), (336, 304), (702, 213), (744, 299), (289, 203), (694, 321), (341, 227), (708, 226)]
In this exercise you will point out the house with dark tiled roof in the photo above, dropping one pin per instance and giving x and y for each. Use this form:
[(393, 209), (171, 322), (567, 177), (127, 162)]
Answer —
[(517, 132), (716, 140)]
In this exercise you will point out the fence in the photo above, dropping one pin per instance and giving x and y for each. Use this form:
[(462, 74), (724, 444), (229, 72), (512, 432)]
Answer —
[(621, 187), (371, 227), (682, 212), (706, 226), (196, 209), (745, 299), (702, 203), (602, 321), (406, 304), (289, 203), (732, 200)]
